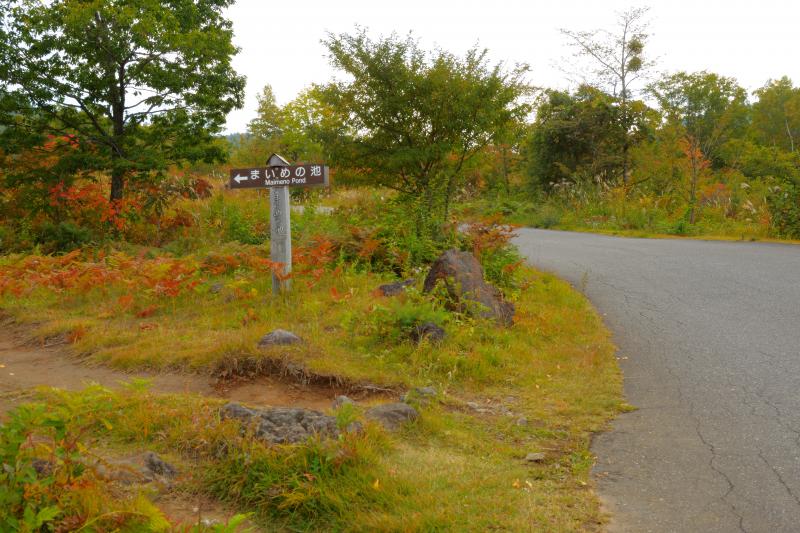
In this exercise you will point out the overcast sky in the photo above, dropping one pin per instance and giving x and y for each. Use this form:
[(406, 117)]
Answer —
[(752, 41)]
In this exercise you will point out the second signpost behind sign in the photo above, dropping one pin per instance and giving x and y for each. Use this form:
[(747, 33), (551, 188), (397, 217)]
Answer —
[(278, 176)]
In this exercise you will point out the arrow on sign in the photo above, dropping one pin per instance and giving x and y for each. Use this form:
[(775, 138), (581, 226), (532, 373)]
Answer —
[(238, 178)]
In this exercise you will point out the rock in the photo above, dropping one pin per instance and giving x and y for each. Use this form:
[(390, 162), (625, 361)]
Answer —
[(283, 425), (215, 288), (234, 410), (393, 289), (462, 275), (392, 415), (424, 393), (278, 337), (522, 421), (141, 468), (478, 408), (535, 457), (427, 330), (43, 467), (342, 400), (158, 466)]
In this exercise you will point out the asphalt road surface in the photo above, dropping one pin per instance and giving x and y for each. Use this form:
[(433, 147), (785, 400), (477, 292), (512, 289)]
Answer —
[(709, 343)]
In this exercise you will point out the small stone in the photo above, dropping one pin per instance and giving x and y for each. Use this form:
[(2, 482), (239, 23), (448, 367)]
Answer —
[(342, 400), (393, 289), (392, 415), (426, 391), (535, 457), (43, 467), (158, 466), (278, 337), (423, 393), (427, 330), (522, 421), (216, 288)]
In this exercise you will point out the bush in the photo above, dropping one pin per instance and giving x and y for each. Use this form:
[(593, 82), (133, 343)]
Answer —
[(784, 206), (490, 241), (63, 237), (547, 217), (394, 323)]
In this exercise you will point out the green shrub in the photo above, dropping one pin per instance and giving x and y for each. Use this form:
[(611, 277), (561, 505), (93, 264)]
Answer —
[(63, 237), (547, 216), (394, 321), (500, 267), (784, 206)]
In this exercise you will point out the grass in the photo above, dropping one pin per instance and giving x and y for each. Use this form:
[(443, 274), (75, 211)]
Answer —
[(643, 217), (457, 469)]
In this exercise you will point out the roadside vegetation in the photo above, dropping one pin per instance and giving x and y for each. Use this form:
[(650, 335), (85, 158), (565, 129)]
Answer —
[(200, 302)]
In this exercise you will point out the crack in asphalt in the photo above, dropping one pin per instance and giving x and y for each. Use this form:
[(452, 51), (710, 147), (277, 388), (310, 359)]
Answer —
[(718, 471), (780, 478)]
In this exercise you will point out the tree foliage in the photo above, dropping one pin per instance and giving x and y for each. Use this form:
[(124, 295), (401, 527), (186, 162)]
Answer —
[(776, 115), (414, 118), (575, 137), (136, 85), (711, 109)]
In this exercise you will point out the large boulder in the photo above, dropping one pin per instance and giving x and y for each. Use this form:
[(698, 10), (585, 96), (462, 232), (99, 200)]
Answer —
[(462, 275), (283, 425)]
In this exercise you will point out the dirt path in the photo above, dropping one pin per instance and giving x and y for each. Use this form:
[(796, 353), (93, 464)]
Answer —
[(24, 366)]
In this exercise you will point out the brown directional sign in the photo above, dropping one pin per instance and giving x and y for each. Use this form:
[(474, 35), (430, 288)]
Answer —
[(288, 176)]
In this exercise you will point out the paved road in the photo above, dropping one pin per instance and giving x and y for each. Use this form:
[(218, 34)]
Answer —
[(709, 342)]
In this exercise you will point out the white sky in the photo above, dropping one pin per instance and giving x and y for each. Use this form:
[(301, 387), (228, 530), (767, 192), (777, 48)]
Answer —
[(280, 41)]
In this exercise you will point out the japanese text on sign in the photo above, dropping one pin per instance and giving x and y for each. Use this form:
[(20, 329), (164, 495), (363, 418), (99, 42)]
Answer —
[(289, 176)]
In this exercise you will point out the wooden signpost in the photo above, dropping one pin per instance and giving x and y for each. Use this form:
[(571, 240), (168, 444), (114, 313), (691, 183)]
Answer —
[(278, 176)]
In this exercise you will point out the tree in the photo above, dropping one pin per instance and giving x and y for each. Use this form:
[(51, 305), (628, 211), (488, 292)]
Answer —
[(293, 130), (268, 120), (711, 109), (776, 115), (575, 136), (137, 84), (698, 165), (708, 110), (507, 147), (413, 118), (620, 63)]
